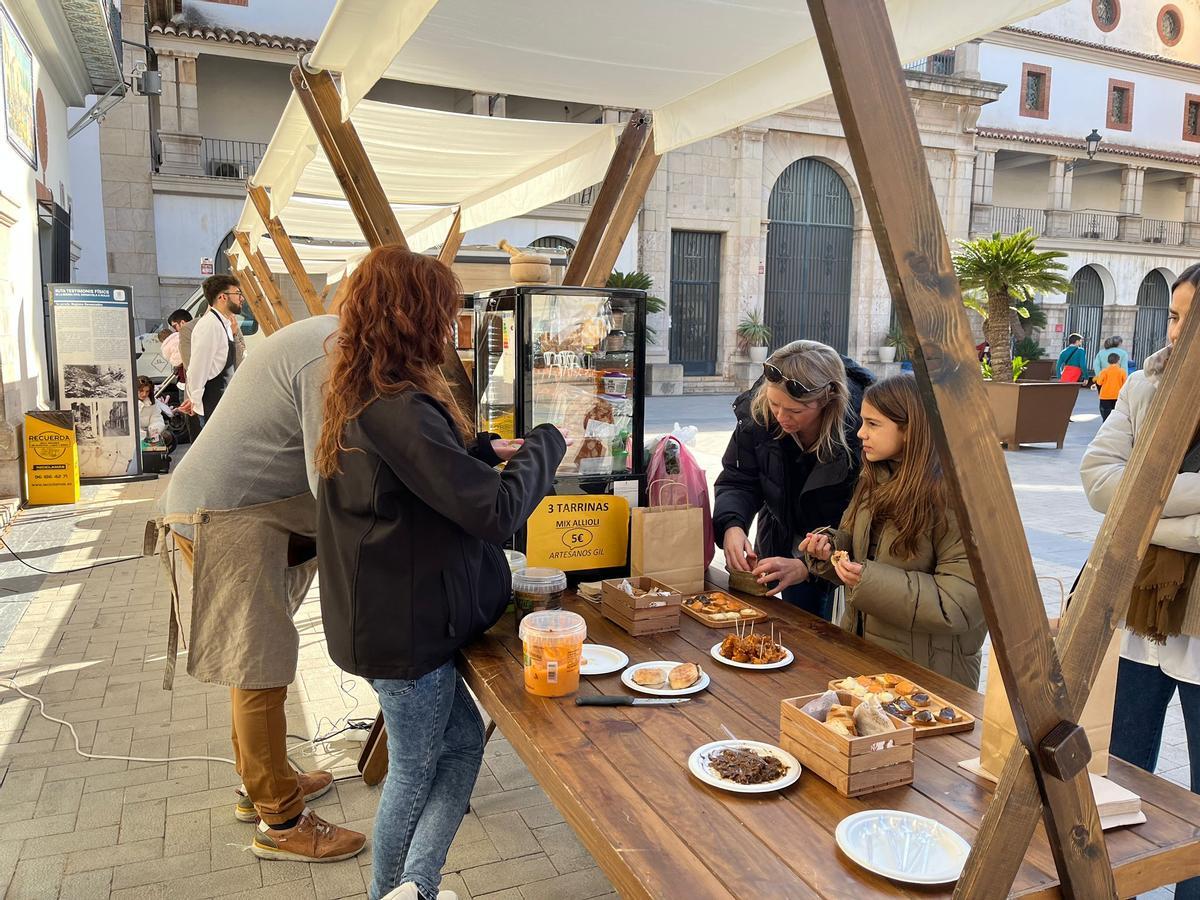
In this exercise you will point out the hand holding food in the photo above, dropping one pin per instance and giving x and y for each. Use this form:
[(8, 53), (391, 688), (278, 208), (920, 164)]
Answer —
[(779, 572), (739, 552), (850, 573), (817, 545)]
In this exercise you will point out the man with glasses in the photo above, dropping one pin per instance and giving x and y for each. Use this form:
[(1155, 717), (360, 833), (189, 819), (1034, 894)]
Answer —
[(214, 348)]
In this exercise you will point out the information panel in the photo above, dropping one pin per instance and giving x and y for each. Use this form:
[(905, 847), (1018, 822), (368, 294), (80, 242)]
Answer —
[(91, 337)]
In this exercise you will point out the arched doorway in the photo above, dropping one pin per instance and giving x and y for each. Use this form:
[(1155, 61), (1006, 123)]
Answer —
[(1085, 308), (810, 244), (1150, 325), (221, 259)]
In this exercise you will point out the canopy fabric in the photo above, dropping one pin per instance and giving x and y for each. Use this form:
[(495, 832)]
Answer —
[(701, 66)]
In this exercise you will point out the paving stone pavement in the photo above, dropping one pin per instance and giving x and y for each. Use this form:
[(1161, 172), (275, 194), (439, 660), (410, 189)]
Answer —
[(90, 645)]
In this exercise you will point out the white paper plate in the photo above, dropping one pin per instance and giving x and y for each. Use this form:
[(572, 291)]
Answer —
[(715, 653), (597, 659), (627, 680), (903, 846), (698, 764)]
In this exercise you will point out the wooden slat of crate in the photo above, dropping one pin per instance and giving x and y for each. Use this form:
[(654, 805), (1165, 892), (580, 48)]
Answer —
[(863, 762), (610, 592), (650, 621), (853, 785)]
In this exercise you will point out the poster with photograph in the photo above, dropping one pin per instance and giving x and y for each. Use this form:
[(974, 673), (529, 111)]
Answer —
[(16, 67), (91, 329)]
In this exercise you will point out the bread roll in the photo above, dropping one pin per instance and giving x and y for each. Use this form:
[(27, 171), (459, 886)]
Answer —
[(683, 676), (869, 718), (841, 720), (652, 677)]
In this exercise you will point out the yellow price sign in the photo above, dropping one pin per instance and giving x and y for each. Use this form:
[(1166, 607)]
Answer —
[(579, 531)]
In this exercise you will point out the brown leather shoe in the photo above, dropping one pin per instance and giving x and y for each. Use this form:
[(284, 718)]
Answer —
[(312, 785), (312, 839)]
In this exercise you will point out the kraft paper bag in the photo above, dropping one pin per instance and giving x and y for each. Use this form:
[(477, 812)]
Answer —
[(667, 544), (999, 732)]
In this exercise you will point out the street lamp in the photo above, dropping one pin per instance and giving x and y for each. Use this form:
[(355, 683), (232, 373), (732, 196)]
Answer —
[(1093, 144)]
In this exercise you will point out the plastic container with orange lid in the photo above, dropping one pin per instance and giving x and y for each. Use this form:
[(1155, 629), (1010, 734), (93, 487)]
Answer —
[(552, 644)]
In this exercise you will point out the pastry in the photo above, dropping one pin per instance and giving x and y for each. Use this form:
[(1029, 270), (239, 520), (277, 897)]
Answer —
[(869, 718), (590, 448), (601, 411), (841, 720), (886, 696), (683, 676), (947, 714), (652, 677), (891, 680), (905, 708), (904, 687), (839, 556), (923, 717), (919, 699)]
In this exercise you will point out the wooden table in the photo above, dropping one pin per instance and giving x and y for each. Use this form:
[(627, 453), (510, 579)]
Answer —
[(619, 774)]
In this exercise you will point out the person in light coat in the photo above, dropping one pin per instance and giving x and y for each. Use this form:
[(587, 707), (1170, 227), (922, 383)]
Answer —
[(1150, 674)]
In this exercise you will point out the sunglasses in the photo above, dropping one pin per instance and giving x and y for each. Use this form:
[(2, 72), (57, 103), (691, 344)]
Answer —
[(797, 389)]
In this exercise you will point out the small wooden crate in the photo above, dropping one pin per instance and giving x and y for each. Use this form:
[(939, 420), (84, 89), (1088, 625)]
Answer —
[(856, 765), (640, 615)]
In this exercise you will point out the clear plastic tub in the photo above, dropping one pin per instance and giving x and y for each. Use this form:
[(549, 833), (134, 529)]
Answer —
[(516, 560), (552, 644), (536, 589)]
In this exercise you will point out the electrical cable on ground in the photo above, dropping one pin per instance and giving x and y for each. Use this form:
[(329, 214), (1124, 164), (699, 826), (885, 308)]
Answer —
[(111, 562)]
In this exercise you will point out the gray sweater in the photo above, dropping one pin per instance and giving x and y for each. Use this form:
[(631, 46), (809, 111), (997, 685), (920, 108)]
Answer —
[(258, 446)]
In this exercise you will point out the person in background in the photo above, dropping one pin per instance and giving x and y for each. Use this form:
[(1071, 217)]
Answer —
[(1111, 345), (171, 350), (213, 347), (1160, 647), (908, 579), (1108, 382), (411, 527), (792, 461), (153, 414), (1072, 355)]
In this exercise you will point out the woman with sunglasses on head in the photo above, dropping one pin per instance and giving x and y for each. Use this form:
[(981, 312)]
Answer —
[(792, 461)]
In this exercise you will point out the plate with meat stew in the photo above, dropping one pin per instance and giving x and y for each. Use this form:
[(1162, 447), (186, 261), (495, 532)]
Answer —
[(744, 767)]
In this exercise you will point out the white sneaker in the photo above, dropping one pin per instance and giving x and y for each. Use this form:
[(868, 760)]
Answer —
[(408, 891)]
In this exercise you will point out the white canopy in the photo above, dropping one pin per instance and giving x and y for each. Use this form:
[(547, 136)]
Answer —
[(429, 161), (701, 66)]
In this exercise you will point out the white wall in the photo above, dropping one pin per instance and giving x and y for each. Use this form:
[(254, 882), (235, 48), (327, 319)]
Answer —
[(1025, 186), (521, 232), (240, 99), (1163, 200), (1100, 191), (1137, 28), (87, 210), (1079, 98), (188, 228)]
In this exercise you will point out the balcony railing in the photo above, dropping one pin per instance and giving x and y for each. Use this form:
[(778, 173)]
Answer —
[(937, 64), (586, 197), (1015, 219), (1094, 226), (232, 159), (1162, 231)]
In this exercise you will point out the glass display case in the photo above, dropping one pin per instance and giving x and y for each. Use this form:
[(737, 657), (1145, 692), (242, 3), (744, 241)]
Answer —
[(574, 357)]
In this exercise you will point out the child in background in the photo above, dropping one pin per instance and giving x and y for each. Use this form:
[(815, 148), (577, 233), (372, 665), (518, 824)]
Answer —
[(153, 414), (898, 550), (1109, 382)]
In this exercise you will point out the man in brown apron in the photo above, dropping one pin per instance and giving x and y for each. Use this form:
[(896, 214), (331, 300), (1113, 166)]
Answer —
[(241, 510)]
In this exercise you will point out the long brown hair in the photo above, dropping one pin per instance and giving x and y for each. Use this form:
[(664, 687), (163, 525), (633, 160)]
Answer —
[(910, 493), (816, 364), (393, 331)]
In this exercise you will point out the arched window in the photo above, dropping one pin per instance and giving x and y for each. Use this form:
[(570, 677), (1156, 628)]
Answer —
[(1085, 308), (221, 259), (1150, 325), (553, 242)]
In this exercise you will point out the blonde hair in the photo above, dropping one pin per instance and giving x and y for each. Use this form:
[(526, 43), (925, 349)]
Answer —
[(816, 365)]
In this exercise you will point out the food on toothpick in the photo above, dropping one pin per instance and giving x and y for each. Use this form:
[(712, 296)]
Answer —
[(753, 649), (683, 676), (746, 767), (652, 677)]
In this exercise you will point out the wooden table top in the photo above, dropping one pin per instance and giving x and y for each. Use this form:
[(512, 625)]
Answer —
[(619, 774)]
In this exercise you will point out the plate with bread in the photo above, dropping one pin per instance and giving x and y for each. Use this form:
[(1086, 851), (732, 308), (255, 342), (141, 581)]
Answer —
[(665, 679)]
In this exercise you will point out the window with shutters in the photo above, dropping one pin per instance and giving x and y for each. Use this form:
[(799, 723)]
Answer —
[(1120, 105), (1191, 117), (1035, 91)]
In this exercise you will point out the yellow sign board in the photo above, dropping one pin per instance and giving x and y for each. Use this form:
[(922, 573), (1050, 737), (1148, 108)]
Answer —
[(579, 531), (51, 458)]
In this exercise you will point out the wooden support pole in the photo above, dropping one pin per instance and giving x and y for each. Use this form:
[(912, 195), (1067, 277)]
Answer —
[(622, 218), (320, 98), (864, 69), (287, 252), (454, 239), (268, 288), (1102, 595), (635, 135), (262, 312)]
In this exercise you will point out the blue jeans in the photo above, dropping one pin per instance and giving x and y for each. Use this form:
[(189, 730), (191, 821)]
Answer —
[(435, 747), (1143, 693)]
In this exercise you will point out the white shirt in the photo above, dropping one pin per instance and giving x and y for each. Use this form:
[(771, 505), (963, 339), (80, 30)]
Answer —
[(210, 350), (1179, 657)]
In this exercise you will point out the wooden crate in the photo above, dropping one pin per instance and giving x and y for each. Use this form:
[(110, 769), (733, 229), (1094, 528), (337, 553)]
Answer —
[(642, 621), (853, 765), (610, 592)]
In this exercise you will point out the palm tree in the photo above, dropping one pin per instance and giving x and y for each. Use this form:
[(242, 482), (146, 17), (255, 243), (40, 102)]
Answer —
[(1006, 271), (642, 282)]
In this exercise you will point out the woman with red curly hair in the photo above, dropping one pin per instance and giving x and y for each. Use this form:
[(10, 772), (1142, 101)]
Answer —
[(410, 530)]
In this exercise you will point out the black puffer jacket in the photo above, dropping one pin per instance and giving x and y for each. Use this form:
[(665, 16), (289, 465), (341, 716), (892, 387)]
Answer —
[(756, 479), (409, 536)]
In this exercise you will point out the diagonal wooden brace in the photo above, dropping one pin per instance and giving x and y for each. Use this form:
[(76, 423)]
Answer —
[(287, 252), (266, 285), (864, 69), (262, 312), (632, 195)]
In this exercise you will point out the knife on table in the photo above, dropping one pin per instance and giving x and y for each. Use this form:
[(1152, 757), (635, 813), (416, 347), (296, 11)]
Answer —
[(629, 701)]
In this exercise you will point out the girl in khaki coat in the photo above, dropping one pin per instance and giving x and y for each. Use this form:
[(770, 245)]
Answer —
[(908, 582)]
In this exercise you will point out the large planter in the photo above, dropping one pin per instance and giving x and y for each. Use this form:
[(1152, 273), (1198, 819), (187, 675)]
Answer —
[(758, 354), (1036, 412), (1038, 370), (887, 354)]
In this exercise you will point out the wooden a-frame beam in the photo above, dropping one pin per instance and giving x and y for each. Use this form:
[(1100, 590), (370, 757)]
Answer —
[(266, 286), (287, 251), (261, 311), (368, 201), (864, 68), (630, 202), (1102, 595), (454, 240), (635, 135)]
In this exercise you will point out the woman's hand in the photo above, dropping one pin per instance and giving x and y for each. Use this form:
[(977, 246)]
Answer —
[(739, 552), (817, 546), (781, 570), (506, 450), (849, 572)]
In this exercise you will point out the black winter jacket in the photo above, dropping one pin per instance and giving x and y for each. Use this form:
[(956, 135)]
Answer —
[(755, 478), (409, 536)]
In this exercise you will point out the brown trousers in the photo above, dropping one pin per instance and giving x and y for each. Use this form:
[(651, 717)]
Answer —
[(259, 736)]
